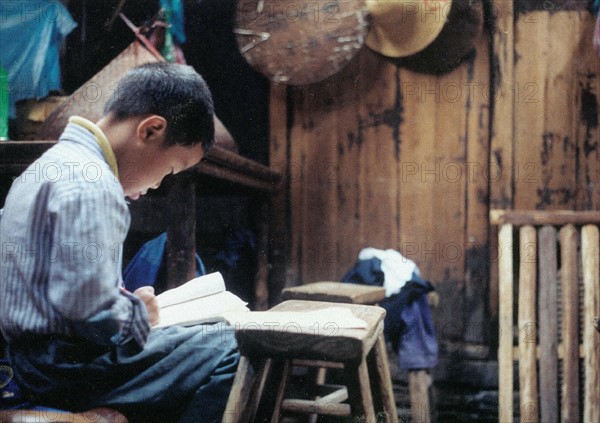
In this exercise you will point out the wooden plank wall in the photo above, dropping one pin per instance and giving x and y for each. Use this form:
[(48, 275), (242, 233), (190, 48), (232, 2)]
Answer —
[(380, 156)]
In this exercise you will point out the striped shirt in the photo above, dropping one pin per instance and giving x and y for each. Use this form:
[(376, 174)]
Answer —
[(61, 236)]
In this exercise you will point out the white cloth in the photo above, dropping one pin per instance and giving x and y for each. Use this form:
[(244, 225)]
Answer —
[(396, 268)]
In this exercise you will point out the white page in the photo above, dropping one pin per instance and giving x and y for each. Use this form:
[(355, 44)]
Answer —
[(195, 288), (201, 310)]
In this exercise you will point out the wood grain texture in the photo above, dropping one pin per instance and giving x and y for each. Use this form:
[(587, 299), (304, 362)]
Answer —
[(505, 321), (279, 213), (528, 392), (336, 292), (379, 372), (548, 328), (502, 127), (590, 257), (555, 112), (180, 248), (570, 321), (586, 87), (330, 343), (501, 130), (534, 217)]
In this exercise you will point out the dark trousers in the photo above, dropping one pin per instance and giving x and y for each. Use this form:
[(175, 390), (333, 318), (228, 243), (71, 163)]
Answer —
[(181, 375)]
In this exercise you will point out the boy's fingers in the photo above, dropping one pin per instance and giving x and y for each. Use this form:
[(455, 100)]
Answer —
[(144, 291)]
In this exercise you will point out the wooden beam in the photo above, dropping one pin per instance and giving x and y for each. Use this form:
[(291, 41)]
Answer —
[(219, 163), (535, 217)]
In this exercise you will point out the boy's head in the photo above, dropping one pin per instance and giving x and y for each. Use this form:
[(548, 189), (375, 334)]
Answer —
[(175, 92), (160, 121)]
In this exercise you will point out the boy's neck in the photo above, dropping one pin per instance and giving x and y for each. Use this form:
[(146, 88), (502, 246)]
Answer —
[(119, 133)]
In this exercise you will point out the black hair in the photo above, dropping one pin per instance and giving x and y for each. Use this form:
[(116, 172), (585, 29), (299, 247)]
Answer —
[(175, 92)]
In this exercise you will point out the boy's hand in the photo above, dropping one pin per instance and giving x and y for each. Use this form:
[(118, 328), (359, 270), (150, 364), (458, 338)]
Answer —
[(146, 294)]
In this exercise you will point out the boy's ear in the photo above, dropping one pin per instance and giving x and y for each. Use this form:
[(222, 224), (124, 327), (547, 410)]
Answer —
[(152, 128)]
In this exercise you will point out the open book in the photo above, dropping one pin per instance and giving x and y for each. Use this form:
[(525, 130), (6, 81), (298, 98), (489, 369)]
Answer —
[(200, 300)]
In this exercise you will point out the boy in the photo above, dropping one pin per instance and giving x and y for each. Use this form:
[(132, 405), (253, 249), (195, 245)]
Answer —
[(76, 339)]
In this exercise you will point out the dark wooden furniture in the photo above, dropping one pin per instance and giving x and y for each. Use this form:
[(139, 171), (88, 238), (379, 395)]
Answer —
[(272, 349)]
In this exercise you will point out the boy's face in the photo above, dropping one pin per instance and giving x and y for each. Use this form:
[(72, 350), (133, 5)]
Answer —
[(147, 160), (154, 164)]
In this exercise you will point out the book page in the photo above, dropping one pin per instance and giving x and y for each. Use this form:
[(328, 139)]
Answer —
[(201, 310), (195, 288)]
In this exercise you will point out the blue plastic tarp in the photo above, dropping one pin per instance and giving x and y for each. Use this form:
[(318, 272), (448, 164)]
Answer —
[(31, 33)]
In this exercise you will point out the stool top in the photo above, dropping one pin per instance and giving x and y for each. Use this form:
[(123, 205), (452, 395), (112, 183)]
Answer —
[(336, 292), (329, 342)]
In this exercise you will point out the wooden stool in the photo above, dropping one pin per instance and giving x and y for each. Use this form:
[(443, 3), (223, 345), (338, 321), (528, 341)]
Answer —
[(359, 352), (419, 380), (97, 415), (336, 292)]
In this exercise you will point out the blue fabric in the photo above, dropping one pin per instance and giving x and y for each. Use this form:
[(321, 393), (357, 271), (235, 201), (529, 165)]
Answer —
[(147, 266), (31, 34), (366, 272), (11, 397), (408, 325), (235, 246), (183, 374), (176, 18)]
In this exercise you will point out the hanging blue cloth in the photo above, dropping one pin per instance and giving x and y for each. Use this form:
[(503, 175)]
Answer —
[(176, 19), (31, 33), (147, 266), (408, 325)]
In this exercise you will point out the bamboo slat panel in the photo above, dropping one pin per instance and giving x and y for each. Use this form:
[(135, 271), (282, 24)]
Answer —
[(558, 343), (570, 332), (505, 321), (548, 318), (590, 251), (527, 324)]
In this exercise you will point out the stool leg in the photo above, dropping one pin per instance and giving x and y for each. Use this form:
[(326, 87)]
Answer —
[(381, 382), (318, 376), (240, 391), (418, 386), (285, 376), (359, 393), (270, 396)]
